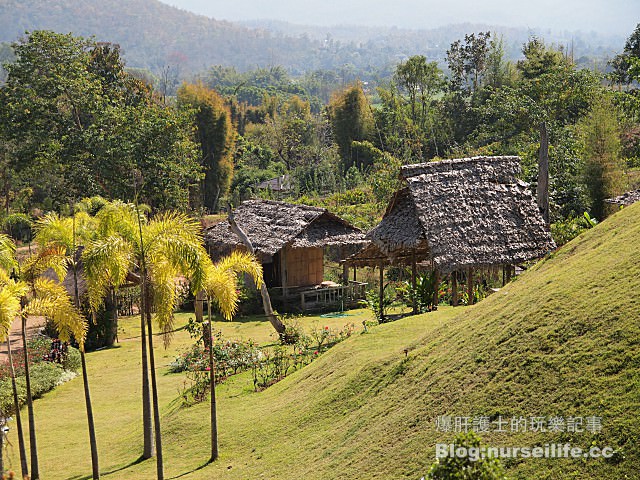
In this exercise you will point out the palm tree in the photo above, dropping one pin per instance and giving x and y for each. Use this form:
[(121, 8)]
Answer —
[(108, 262), (64, 236), (220, 286), (9, 311), (10, 294), (49, 299), (156, 252)]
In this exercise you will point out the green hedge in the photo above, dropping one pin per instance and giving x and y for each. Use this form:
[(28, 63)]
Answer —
[(45, 376)]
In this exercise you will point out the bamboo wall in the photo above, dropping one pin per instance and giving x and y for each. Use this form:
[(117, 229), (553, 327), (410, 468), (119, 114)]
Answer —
[(304, 266)]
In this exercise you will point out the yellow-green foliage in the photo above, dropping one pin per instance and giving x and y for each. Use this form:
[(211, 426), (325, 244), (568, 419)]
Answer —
[(216, 137)]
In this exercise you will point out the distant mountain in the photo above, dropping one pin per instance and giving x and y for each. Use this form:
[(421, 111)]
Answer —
[(438, 39), (155, 36)]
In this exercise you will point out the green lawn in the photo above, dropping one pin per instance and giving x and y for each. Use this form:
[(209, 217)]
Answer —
[(562, 339)]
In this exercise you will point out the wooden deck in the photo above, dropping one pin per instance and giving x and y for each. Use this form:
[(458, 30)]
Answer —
[(305, 299)]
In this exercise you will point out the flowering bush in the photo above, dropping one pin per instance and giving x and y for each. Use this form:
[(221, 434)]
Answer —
[(230, 357), (277, 363), (40, 349), (268, 365)]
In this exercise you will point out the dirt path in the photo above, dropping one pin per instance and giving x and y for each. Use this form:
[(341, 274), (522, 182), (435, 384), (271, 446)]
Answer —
[(34, 324)]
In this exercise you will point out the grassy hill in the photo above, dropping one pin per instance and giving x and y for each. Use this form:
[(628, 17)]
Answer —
[(563, 339)]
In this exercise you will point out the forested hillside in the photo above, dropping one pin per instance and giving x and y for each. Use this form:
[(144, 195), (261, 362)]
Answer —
[(156, 36)]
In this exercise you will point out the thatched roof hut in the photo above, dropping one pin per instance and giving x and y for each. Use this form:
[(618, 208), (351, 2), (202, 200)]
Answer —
[(626, 198), (461, 213), (288, 239)]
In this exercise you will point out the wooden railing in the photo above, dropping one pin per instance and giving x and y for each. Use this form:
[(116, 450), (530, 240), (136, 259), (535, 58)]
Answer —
[(343, 296)]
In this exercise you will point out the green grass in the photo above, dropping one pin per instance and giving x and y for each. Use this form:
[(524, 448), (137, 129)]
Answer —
[(562, 339)]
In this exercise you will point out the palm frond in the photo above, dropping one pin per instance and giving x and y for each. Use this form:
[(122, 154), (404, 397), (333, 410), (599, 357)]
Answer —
[(54, 230), (221, 286), (10, 295), (7, 253), (106, 264), (243, 262), (53, 302), (53, 256), (176, 238), (119, 218), (164, 280), (221, 280)]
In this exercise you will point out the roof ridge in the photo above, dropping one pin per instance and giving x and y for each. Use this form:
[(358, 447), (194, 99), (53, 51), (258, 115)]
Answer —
[(413, 170)]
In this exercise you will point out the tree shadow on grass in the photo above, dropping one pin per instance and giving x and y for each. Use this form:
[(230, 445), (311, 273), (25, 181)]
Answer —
[(111, 472), (206, 464)]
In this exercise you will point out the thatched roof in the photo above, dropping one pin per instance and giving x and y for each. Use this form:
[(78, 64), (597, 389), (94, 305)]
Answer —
[(272, 225), (464, 212), (626, 198)]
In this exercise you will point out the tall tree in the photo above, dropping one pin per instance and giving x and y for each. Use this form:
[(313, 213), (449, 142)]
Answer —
[(67, 236), (155, 252), (11, 293), (80, 123), (44, 297), (216, 138), (600, 138), (351, 120), (221, 287)]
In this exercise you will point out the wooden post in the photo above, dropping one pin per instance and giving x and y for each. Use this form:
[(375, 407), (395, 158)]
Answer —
[(355, 275), (283, 272), (199, 306), (542, 190), (436, 291), (382, 291), (345, 267), (414, 280), (470, 285), (454, 288)]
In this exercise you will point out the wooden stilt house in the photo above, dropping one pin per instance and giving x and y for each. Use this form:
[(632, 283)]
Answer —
[(290, 242), (459, 215)]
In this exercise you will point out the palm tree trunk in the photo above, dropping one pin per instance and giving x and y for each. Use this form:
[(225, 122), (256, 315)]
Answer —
[(92, 429), (212, 385), (2, 447), (93, 443), (33, 445), (147, 423), (154, 390), (24, 469)]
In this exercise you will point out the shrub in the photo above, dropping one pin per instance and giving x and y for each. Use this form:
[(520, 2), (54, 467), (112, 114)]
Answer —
[(372, 302), (454, 468), (45, 376), (72, 361)]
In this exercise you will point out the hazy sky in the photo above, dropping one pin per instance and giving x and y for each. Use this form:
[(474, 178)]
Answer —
[(606, 16)]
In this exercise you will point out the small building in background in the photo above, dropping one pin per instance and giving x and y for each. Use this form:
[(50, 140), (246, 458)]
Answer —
[(626, 199), (278, 186), (290, 241)]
